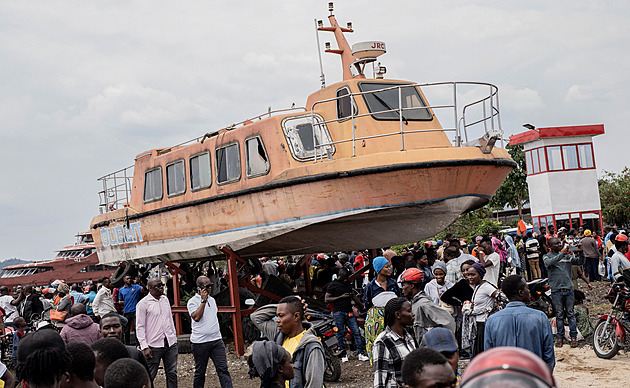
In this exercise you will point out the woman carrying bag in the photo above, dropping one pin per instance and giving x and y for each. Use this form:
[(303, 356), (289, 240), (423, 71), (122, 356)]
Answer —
[(62, 309)]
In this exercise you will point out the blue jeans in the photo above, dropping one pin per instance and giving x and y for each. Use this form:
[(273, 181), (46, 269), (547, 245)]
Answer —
[(563, 302), (341, 319), (216, 351), (169, 356)]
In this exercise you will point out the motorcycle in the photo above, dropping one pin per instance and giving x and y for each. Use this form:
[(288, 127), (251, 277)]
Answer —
[(540, 292), (326, 330), (610, 332)]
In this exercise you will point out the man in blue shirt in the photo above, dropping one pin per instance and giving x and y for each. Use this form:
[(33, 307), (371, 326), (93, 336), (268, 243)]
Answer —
[(90, 299), (520, 326), (129, 295)]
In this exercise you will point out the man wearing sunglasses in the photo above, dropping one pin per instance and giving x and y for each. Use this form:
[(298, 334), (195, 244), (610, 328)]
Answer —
[(206, 337), (156, 332)]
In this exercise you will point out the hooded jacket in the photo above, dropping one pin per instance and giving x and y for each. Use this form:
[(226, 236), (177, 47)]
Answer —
[(429, 315), (80, 328), (308, 358)]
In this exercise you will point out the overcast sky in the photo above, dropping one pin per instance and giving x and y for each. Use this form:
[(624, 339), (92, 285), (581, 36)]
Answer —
[(86, 86)]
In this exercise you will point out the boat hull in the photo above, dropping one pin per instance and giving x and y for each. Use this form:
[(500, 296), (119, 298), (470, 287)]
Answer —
[(342, 210)]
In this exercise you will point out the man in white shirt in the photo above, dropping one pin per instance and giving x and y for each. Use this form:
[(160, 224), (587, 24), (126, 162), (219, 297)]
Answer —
[(9, 304), (491, 261), (103, 302), (206, 337)]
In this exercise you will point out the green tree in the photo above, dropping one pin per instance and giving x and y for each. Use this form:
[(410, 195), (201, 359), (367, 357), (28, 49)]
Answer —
[(471, 225), (614, 194), (513, 191)]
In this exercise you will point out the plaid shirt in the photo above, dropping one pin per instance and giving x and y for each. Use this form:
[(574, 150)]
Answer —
[(389, 351), (453, 271)]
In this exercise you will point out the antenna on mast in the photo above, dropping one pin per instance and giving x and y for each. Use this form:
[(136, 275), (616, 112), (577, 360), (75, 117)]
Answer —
[(322, 77)]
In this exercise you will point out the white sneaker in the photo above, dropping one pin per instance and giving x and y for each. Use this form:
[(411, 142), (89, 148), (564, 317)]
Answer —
[(363, 357), (344, 359)]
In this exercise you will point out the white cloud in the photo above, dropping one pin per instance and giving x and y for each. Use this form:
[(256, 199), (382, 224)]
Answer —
[(87, 86)]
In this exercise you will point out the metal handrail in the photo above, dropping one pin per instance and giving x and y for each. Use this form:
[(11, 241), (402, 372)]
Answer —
[(116, 191), (491, 121)]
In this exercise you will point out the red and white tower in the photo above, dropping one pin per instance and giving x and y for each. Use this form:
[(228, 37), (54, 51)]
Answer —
[(562, 176)]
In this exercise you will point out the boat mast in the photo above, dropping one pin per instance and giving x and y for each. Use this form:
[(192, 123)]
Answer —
[(347, 59)]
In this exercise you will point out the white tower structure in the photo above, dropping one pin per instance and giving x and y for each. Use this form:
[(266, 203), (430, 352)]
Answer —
[(562, 176)]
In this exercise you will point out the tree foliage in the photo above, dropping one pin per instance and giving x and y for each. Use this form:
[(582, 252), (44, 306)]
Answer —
[(614, 194), (471, 225), (513, 191)]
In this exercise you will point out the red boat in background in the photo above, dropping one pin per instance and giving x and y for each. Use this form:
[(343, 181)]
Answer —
[(73, 264)]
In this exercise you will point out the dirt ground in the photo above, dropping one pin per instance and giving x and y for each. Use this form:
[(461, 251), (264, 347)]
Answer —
[(575, 368)]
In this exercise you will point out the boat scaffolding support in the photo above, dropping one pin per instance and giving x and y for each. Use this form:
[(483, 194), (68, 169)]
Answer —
[(235, 263), (235, 303)]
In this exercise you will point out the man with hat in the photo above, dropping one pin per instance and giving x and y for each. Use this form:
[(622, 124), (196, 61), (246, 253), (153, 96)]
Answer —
[(427, 314), (444, 341), (519, 325), (592, 255), (619, 261)]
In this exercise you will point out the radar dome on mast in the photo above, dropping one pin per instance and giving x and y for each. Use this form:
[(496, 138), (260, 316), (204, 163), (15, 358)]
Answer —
[(363, 50)]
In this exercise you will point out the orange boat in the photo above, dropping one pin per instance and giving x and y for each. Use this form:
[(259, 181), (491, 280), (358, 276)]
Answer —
[(366, 162)]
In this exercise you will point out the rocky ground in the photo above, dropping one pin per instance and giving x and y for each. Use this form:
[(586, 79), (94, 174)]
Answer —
[(575, 368)]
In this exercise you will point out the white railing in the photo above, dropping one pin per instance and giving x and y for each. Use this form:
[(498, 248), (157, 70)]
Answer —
[(458, 109), (116, 191)]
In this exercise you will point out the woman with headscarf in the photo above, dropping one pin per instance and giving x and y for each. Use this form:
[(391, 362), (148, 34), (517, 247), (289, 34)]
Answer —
[(482, 303), (375, 296), (438, 285), (65, 300), (272, 363), (512, 252)]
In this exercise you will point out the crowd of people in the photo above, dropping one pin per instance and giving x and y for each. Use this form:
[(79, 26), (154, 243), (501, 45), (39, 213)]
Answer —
[(94, 347), (458, 299), (420, 310)]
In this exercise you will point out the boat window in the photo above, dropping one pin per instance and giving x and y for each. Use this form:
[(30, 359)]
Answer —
[(413, 107), (153, 185), (200, 172), (175, 178), (586, 155), (257, 162), (302, 140), (345, 105), (228, 164)]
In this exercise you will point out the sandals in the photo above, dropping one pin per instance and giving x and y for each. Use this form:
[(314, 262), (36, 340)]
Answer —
[(559, 343), (574, 343)]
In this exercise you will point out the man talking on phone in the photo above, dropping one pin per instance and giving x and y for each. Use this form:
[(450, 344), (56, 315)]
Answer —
[(558, 263), (206, 337)]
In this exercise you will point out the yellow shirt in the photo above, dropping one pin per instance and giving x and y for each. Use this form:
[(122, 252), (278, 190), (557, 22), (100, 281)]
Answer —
[(290, 344)]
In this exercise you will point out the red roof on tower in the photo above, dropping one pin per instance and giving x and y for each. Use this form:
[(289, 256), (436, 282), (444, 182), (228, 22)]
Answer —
[(576, 130)]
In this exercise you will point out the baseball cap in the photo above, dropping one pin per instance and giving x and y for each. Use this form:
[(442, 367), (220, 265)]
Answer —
[(412, 275), (440, 339), (621, 237)]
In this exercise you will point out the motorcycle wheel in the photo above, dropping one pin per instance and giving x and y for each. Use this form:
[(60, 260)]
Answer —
[(333, 366), (549, 308), (605, 342)]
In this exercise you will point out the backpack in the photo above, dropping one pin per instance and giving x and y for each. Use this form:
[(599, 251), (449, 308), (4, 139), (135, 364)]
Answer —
[(500, 301)]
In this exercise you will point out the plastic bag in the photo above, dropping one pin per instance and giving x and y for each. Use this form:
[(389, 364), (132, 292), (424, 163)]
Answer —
[(601, 268)]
